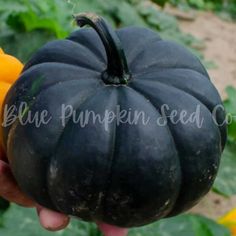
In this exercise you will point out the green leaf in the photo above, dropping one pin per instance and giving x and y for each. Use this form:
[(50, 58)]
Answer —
[(200, 4), (184, 225), (230, 106), (120, 14), (20, 221), (3, 206), (28, 24), (11, 7), (29, 21), (226, 178), (128, 15), (54, 18), (41, 15), (160, 2), (156, 18), (25, 16), (23, 45)]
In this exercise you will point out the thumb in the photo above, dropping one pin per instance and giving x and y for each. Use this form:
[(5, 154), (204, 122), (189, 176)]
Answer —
[(110, 230)]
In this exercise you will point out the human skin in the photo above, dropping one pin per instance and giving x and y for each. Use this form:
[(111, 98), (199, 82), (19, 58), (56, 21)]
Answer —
[(50, 220)]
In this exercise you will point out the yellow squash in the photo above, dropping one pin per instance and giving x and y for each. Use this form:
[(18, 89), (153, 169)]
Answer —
[(10, 69), (229, 220)]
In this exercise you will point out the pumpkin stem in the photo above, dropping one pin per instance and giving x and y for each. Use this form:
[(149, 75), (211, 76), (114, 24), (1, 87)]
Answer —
[(117, 71)]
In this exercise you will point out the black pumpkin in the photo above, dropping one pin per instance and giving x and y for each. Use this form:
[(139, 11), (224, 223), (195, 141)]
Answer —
[(123, 174)]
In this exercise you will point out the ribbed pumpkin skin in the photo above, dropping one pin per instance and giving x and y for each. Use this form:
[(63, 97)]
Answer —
[(127, 175)]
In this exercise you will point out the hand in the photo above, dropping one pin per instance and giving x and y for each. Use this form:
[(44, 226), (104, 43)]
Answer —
[(50, 220)]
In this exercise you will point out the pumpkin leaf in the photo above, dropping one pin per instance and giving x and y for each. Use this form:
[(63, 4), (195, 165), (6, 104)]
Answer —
[(37, 22), (226, 178), (156, 18), (184, 225), (23, 50), (124, 13), (34, 22), (225, 181), (20, 221), (160, 2), (31, 18), (29, 21), (197, 3), (3, 205), (230, 107), (134, 18)]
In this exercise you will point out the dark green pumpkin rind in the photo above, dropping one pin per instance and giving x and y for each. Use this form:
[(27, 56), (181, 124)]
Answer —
[(199, 161), (127, 175)]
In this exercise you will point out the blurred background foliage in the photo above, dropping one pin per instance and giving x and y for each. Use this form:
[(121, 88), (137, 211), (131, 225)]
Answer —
[(226, 8), (26, 25)]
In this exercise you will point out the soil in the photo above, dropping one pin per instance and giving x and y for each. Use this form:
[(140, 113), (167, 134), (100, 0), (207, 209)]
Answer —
[(219, 39)]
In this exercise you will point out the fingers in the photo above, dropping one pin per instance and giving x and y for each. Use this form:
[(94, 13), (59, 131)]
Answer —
[(9, 188), (10, 191), (110, 230), (52, 221)]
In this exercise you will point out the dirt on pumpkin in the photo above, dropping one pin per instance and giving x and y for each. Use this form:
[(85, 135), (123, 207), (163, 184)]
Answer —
[(219, 39)]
